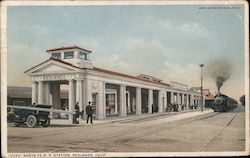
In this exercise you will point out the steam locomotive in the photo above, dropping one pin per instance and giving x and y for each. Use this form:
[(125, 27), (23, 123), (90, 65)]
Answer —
[(223, 103)]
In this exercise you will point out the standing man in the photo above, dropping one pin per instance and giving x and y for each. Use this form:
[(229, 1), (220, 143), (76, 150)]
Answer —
[(82, 114), (152, 108), (89, 112), (75, 121)]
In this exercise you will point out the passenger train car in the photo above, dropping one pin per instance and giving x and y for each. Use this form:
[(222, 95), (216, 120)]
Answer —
[(223, 103)]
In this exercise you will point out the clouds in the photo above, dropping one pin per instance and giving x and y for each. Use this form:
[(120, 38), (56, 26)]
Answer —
[(115, 63), (194, 29), (153, 24), (143, 43), (184, 73), (189, 27), (168, 42)]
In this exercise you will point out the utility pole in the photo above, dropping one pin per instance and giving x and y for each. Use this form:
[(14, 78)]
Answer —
[(201, 65)]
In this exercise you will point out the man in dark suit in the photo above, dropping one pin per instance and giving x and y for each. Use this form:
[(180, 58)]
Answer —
[(89, 112), (152, 108), (75, 121)]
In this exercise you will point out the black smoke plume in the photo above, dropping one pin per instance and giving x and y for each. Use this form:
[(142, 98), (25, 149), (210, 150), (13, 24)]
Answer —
[(220, 70)]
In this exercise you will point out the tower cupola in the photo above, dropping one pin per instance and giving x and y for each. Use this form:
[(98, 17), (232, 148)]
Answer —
[(73, 54)]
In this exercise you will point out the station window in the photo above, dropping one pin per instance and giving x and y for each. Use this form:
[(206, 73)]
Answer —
[(83, 56), (110, 104), (68, 55), (110, 98), (56, 55)]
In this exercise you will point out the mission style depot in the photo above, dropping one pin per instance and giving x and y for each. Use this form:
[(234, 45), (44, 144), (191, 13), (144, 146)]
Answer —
[(112, 93)]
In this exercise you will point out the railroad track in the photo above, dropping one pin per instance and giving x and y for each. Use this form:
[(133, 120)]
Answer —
[(219, 132), (135, 134)]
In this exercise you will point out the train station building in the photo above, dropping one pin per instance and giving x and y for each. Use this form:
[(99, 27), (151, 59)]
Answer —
[(112, 93)]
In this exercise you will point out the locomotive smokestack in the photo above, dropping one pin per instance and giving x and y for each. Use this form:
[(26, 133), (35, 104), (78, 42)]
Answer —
[(220, 79), (220, 70)]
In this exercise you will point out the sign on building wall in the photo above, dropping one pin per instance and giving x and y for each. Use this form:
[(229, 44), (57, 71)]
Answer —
[(53, 77)]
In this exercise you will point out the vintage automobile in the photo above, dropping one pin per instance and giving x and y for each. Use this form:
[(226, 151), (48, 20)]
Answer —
[(30, 115)]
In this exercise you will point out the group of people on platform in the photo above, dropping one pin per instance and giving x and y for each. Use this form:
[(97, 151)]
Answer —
[(89, 113), (176, 107)]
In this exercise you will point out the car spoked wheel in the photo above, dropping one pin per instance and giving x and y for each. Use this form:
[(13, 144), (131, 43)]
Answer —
[(31, 121), (45, 123)]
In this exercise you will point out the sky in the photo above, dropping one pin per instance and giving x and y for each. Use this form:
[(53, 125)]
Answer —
[(165, 41)]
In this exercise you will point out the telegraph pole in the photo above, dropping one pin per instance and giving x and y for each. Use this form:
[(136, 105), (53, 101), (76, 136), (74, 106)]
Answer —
[(201, 65)]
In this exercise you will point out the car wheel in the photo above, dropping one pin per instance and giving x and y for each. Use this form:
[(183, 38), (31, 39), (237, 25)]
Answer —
[(31, 121), (17, 124), (45, 123)]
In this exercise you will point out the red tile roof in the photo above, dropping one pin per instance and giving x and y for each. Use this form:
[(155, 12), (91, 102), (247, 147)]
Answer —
[(64, 62), (206, 91), (124, 75), (103, 71), (49, 60), (70, 47), (110, 72), (209, 97), (36, 66)]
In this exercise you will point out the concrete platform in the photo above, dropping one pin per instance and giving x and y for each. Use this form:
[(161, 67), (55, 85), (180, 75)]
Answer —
[(172, 116)]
